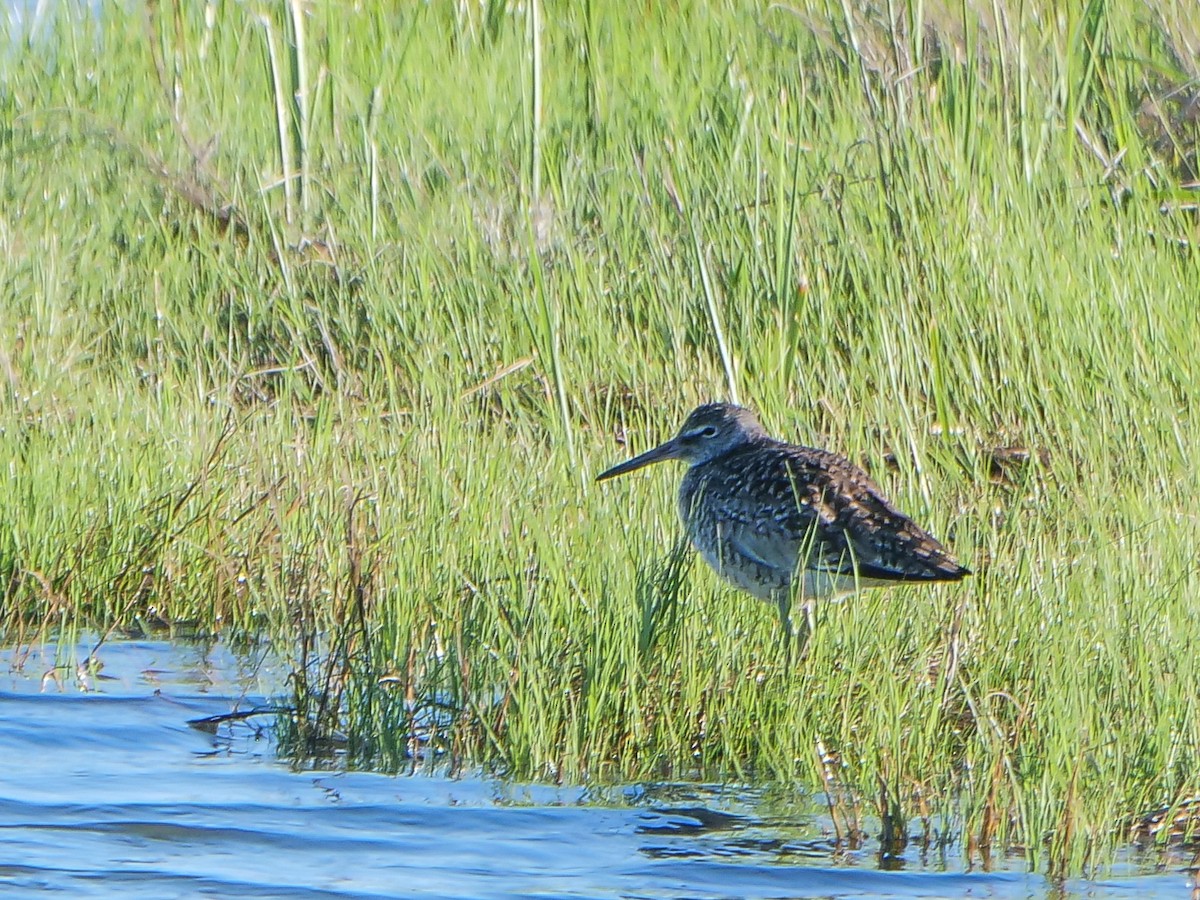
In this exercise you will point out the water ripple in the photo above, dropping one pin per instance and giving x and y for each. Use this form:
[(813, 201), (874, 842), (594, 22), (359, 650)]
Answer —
[(110, 793)]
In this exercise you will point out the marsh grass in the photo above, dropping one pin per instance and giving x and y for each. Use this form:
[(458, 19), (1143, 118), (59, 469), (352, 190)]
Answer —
[(318, 321)]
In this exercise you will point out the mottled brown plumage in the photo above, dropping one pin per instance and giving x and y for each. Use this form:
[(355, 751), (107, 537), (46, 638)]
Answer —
[(786, 522)]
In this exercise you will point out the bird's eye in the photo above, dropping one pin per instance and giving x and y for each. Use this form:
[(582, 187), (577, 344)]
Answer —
[(708, 431)]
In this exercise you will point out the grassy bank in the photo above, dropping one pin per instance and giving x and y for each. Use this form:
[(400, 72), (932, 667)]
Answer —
[(319, 326)]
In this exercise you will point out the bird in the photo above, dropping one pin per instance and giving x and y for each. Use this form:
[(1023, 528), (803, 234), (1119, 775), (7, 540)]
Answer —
[(788, 523)]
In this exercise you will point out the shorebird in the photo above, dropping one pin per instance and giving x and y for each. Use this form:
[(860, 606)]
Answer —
[(788, 523)]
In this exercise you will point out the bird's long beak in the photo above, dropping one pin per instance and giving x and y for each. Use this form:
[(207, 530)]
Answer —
[(669, 450)]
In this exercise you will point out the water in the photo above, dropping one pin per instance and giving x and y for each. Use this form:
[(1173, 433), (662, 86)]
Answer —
[(110, 793)]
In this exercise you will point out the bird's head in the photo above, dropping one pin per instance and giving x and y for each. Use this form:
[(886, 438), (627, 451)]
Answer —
[(710, 431)]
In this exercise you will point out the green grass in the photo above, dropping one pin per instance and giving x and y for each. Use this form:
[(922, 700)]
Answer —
[(537, 250)]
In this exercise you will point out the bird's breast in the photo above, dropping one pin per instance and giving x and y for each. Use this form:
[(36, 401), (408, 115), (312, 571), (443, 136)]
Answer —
[(707, 509)]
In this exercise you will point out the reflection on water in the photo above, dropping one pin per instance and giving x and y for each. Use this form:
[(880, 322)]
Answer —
[(109, 792)]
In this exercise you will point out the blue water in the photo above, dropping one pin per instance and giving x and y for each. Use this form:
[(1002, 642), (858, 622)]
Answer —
[(107, 792)]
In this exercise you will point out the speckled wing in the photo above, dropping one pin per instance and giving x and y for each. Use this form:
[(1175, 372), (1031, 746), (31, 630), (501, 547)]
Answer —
[(777, 504)]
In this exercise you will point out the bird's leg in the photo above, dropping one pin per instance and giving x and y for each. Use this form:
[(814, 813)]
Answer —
[(807, 627), (795, 641), (784, 601), (796, 638), (810, 618)]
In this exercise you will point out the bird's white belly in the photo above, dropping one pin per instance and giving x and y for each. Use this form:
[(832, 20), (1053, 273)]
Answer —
[(773, 584), (828, 586), (763, 581)]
